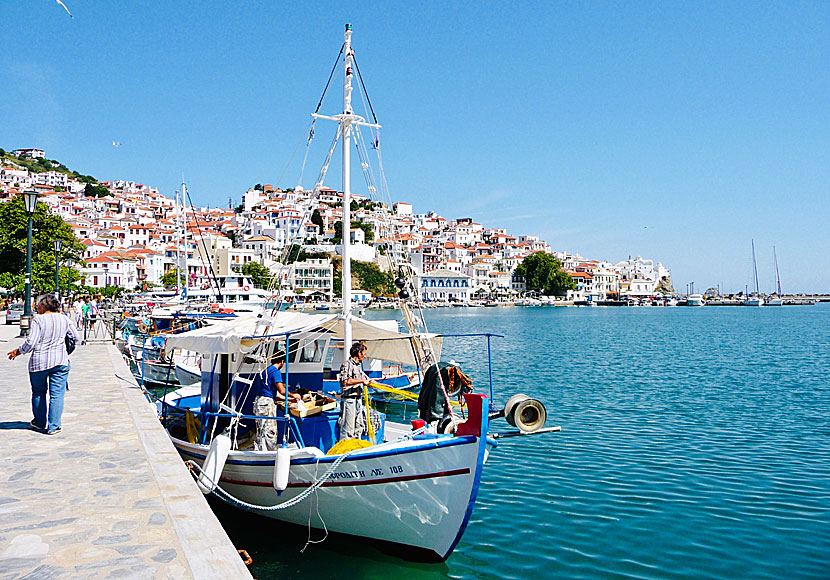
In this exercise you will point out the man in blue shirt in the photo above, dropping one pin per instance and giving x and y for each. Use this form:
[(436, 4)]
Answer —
[(267, 388)]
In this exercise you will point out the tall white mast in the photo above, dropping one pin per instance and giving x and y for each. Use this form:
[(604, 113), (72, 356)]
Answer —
[(184, 230), (346, 130), (178, 241), (755, 269), (777, 275), (346, 120)]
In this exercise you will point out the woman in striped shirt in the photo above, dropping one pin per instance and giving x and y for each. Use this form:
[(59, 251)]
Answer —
[(49, 363)]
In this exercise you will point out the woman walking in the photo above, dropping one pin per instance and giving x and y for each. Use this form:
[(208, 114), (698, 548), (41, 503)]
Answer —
[(49, 363)]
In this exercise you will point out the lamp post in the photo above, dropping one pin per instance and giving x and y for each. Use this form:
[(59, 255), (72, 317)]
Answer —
[(58, 245), (30, 201)]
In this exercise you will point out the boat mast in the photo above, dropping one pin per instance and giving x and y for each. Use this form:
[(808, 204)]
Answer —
[(346, 131), (755, 269), (777, 275), (184, 231), (346, 120), (178, 241)]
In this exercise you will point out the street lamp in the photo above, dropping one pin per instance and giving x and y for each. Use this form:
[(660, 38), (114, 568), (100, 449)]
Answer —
[(30, 201), (58, 245)]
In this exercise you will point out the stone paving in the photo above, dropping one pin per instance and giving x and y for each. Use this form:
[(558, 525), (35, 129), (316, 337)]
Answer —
[(108, 496)]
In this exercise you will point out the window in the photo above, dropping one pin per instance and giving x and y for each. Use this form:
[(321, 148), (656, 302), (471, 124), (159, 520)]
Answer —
[(309, 351)]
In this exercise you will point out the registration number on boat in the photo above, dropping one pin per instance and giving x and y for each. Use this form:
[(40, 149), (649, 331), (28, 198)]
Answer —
[(360, 473)]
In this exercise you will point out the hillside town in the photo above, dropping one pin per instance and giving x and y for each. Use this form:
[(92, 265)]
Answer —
[(133, 235)]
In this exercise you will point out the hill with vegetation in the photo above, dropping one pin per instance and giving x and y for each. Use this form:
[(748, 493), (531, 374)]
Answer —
[(43, 165)]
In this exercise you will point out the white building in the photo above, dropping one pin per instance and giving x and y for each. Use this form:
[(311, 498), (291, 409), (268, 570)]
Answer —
[(33, 153), (444, 286), (314, 276)]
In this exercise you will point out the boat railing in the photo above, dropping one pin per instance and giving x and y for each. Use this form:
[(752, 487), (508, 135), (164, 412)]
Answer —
[(292, 422)]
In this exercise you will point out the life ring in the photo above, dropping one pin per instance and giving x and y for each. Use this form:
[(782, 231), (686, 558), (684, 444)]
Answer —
[(246, 288), (204, 286)]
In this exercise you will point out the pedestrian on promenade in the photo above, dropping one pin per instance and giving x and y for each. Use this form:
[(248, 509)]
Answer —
[(49, 363)]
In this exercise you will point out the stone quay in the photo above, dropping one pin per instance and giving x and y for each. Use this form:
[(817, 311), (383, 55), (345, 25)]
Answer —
[(108, 496)]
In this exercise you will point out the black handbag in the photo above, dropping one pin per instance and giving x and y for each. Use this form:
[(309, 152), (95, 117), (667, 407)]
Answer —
[(70, 344)]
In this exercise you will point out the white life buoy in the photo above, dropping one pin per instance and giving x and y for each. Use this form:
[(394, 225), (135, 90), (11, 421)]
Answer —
[(246, 288)]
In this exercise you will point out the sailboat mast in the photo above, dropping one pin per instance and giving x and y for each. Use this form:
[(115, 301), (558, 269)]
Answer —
[(178, 242), (777, 275), (345, 125), (755, 268), (184, 231)]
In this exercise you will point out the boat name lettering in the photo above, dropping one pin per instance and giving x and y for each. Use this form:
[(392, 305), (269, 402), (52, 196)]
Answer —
[(347, 474)]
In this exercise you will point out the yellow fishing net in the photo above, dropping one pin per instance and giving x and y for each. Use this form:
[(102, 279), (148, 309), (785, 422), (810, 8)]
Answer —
[(347, 445)]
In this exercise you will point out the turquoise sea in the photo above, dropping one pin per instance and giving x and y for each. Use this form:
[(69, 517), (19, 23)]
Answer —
[(695, 444)]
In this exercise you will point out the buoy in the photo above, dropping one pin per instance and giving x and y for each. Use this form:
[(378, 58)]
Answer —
[(282, 462), (214, 464), (246, 288)]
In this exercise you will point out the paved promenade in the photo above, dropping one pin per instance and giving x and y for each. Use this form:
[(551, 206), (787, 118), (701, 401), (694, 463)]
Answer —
[(108, 497)]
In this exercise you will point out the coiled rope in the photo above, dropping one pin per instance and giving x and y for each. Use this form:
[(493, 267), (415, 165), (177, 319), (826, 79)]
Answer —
[(227, 497)]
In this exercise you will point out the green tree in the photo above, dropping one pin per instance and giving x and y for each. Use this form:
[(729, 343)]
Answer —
[(542, 272), (317, 219), (169, 279), (368, 232), (258, 187), (46, 227), (259, 274), (374, 280), (92, 190)]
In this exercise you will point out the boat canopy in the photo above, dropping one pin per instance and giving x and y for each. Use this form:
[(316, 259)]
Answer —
[(242, 334)]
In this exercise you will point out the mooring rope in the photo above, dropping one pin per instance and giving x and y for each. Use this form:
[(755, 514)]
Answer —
[(227, 497)]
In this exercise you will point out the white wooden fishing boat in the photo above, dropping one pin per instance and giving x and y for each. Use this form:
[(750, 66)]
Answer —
[(411, 485)]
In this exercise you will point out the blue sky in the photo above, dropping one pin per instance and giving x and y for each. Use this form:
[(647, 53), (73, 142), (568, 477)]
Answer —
[(676, 131)]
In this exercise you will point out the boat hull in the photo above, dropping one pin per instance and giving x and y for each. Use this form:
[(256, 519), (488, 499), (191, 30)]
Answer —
[(417, 494)]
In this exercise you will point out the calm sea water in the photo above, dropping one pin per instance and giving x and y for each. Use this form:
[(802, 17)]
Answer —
[(695, 444)]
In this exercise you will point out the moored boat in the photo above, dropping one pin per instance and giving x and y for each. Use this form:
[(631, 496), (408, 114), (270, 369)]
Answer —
[(413, 485)]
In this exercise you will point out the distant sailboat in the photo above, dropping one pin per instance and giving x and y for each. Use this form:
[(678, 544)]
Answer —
[(754, 299), (777, 301)]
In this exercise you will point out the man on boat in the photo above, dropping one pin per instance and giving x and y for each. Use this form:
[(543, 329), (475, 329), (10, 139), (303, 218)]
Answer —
[(267, 388), (352, 421)]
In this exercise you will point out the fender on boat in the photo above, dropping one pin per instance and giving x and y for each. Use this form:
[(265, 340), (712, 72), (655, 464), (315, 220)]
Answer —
[(217, 455), (282, 462)]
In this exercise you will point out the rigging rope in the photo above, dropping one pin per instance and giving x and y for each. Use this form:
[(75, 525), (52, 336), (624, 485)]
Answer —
[(204, 246)]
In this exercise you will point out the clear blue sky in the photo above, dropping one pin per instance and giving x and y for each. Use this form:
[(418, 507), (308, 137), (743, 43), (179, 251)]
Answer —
[(676, 131)]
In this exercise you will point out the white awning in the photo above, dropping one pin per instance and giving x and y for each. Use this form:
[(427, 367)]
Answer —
[(244, 333)]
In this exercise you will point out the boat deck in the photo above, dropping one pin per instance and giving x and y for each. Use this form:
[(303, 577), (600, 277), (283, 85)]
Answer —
[(109, 495)]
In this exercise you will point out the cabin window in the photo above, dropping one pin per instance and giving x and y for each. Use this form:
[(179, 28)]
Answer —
[(309, 351)]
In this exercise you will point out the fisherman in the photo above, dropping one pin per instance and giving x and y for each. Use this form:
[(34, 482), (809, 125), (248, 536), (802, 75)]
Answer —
[(352, 421), (267, 388)]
